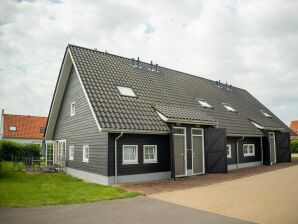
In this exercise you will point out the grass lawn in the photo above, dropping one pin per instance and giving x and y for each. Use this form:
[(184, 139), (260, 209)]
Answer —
[(19, 189)]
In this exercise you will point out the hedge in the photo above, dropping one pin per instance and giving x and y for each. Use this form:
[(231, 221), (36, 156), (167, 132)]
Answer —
[(294, 146), (10, 149)]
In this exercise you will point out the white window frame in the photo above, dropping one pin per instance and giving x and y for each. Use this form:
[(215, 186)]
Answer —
[(229, 107), (85, 159), (229, 151), (265, 113), (12, 128), (248, 152), (126, 91), (73, 109), (71, 152), (204, 103), (128, 162), (154, 160)]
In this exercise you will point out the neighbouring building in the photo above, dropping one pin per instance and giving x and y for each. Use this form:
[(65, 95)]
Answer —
[(23, 128), (115, 119), (294, 128)]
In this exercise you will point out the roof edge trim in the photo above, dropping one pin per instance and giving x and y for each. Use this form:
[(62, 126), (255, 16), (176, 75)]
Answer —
[(186, 121), (111, 130)]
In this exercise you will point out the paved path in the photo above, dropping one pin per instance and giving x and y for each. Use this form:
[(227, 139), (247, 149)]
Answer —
[(141, 210), (265, 198)]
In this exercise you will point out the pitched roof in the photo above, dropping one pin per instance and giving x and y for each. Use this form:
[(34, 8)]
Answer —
[(294, 126), (26, 126), (167, 90)]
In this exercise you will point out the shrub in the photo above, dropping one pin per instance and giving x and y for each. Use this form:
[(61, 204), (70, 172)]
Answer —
[(10, 149), (294, 146)]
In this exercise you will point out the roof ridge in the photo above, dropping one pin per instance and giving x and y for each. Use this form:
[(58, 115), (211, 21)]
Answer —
[(174, 70), (23, 115)]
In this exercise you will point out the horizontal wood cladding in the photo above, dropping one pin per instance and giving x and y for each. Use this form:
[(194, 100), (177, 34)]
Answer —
[(81, 129), (232, 142), (247, 140), (163, 154)]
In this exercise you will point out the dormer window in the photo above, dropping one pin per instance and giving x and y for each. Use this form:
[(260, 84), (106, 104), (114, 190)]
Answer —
[(265, 113), (204, 103), (72, 109), (126, 91), (12, 128), (229, 107)]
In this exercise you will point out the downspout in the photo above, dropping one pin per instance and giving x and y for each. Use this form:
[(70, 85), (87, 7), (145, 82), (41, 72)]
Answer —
[(238, 150), (116, 166)]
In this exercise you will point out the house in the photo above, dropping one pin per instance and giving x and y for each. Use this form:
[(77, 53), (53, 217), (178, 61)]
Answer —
[(115, 119), (22, 128), (294, 128)]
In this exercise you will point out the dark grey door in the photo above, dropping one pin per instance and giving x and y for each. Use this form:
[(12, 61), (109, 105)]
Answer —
[(198, 161), (272, 147), (283, 152), (216, 150), (179, 135)]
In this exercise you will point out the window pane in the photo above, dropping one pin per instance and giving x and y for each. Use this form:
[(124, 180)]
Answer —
[(197, 132), (178, 131), (126, 91)]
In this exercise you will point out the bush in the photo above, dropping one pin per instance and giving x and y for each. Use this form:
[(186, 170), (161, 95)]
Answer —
[(10, 149), (294, 146)]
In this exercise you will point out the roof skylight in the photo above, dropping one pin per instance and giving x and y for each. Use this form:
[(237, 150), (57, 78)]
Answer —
[(204, 103), (126, 91), (265, 113), (229, 107)]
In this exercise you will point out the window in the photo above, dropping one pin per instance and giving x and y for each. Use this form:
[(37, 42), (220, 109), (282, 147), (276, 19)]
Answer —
[(229, 107), (42, 130), (71, 152), (72, 109), (178, 131), (126, 91), (229, 151), (271, 134), (86, 153), (12, 128), (204, 103), (265, 113), (248, 150), (196, 131), (130, 154), (150, 154)]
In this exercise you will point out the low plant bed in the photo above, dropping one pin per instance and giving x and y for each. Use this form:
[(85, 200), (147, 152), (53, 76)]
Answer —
[(20, 189)]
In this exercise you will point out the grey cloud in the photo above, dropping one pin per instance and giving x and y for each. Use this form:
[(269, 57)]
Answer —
[(251, 44)]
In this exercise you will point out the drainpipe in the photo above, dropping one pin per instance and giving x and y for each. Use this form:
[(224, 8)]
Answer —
[(116, 166), (238, 150)]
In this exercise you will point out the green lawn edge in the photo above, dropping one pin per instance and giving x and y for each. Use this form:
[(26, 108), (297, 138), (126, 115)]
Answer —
[(20, 189)]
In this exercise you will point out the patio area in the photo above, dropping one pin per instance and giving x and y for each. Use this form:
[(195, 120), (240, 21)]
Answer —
[(155, 187)]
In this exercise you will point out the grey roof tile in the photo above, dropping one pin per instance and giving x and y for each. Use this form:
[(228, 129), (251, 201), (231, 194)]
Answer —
[(101, 73)]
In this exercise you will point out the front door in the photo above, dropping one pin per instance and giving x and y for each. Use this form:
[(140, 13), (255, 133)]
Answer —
[(197, 141), (60, 153), (179, 135), (272, 147)]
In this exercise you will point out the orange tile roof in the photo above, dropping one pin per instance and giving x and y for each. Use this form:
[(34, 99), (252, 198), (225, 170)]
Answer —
[(26, 126), (294, 126)]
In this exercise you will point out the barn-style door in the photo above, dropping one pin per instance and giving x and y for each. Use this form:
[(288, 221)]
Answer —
[(283, 153), (215, 148)]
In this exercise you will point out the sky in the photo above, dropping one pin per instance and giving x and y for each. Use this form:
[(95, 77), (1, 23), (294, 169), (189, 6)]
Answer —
[(250, 44)]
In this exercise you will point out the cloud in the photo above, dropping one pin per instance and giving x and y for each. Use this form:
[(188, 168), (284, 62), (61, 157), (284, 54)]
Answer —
[(251, 44)]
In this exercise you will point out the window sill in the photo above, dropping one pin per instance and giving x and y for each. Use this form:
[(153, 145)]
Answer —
[(149, 162), (85, 161), (129, 163), (249, 155), (71, 159)]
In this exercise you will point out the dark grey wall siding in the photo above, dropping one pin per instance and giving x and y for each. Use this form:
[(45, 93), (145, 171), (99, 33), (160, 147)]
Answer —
[(257, 157), (80, 130), (163, 154), (242, 159), (232, 160)]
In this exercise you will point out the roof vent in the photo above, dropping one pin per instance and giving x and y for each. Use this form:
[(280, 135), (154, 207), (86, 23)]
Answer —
[(138, 62)]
